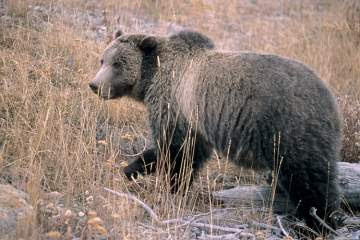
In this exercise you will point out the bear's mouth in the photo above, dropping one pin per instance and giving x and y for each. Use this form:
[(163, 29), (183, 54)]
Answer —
[(114, 92), (121, 91)]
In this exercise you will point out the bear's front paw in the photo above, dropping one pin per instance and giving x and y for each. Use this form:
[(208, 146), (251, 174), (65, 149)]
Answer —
[(130, 173)]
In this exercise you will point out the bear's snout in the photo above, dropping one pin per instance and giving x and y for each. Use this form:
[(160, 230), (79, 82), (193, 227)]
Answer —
[(94, 87)]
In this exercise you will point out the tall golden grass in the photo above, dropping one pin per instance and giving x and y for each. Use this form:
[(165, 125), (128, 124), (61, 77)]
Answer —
[(49, 117)]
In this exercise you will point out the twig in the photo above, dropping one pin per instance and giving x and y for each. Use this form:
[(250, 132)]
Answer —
[(194, 222), (278, 219), (265, 226), (152, 214), (313, 213), (191, 222), (220, 237), (247, 235), (214, 227), (192, 219), (227, 236), (352, 221)]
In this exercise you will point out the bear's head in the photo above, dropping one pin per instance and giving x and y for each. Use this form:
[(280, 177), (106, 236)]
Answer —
[(130, 61), (121, 63)]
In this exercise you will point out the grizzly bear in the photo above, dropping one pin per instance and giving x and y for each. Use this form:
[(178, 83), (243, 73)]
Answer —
[(254, 109)]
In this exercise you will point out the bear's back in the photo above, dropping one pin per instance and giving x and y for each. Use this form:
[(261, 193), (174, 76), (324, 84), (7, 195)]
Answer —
[(192, 39), (230, 92)]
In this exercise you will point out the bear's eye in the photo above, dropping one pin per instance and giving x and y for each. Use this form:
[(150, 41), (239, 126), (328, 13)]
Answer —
[(116, 64), (101, 62)]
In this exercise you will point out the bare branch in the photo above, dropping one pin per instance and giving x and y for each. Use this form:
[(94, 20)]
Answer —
[(322, 222), (227, 236), (265, 226), (215, 227), (192, 222), (152, 214), (286, 234)]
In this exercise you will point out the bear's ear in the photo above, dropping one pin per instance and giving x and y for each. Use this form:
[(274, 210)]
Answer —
[(148, 43), (117, 33)]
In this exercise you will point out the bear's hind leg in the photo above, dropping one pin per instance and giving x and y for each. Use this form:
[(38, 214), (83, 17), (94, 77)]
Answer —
[(311, 184)]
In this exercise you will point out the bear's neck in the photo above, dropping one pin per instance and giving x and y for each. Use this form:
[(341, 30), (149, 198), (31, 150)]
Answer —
[(147, 71), (166, 67)]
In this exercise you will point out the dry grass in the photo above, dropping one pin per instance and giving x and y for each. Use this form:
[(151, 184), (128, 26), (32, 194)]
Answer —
[(49, 118)]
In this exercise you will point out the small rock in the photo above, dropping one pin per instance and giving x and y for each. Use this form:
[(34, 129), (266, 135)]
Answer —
[(89, 199), (53, 235), (5, 19), (95, 221), (14, 209), (68, 213), (53, 196), (91, 214)]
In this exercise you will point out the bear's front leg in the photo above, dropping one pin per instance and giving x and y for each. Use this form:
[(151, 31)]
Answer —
[(176, 168), (185, 164), (145, 164)]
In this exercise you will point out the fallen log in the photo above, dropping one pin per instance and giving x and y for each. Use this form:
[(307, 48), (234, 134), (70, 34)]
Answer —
[(261, 196)]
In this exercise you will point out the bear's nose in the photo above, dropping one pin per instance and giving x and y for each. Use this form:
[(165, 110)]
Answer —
[(93, 87)]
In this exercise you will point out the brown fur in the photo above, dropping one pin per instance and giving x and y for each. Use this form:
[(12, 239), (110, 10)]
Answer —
[(243, 105)]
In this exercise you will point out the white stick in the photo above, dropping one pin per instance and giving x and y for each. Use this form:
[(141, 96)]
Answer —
[(152, 214)]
